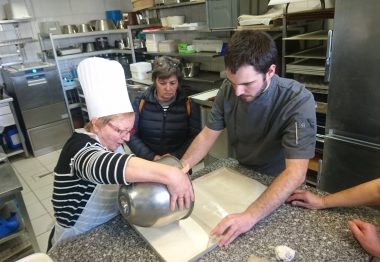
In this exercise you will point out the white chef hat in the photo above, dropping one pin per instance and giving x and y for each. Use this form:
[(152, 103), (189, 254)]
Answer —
[(104, 87)]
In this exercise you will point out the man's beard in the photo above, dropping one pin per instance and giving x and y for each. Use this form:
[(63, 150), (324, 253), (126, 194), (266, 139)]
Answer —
[(251, 98)]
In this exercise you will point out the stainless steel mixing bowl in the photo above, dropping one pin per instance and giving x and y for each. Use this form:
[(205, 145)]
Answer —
[(147, 204)]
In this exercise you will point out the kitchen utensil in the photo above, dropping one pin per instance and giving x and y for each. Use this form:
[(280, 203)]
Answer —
[(191, 69), (120, 44), (69, 29), (104, 25), (101, 43), (89, 47), (92, 24), (120, 24), (147, 204), (127, 43), (83, 28)]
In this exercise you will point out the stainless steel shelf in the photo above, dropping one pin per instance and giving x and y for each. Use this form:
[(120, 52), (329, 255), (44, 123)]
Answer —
[(95, 53), (307, 67), (176, 31), (316, 53), (201, 54), (95, 33), (15, 21), (70, 87), (17, 41), (205, 77), (74, 105), (317, 35), (176, 5), (142, 81), (9, 55)]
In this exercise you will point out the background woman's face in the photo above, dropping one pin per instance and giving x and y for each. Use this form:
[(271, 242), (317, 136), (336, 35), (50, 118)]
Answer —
[(166, 88)]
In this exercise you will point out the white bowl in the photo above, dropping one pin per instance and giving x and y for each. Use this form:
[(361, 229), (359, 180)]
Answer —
[(175, 20)]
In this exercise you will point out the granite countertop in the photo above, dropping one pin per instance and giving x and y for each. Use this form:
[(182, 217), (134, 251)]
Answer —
[(316, 235)]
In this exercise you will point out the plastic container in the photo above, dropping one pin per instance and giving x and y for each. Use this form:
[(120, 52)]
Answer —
[(152, 41), (114, 15), (141, 70), (167, 46), (141, 67), (12, 138), (9, 225)]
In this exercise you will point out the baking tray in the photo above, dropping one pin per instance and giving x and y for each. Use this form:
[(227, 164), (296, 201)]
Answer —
[(217, 194)]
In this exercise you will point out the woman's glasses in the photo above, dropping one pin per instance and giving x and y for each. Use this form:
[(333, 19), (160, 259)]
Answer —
[(122, 132)]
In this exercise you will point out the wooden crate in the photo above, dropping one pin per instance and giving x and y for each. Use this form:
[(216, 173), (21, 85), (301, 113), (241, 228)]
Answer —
[(142, 4)]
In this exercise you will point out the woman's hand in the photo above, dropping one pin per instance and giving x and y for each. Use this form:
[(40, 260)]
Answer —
[(180, 188), (306, 199), (367, 236)]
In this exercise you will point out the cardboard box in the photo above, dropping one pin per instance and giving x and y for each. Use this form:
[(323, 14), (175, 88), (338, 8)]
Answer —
[(142, 4)]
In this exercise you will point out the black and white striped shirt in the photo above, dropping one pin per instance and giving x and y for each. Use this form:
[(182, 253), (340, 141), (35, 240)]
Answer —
[(83, 164)]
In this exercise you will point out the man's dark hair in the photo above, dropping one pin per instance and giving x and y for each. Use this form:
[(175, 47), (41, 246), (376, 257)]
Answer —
[(254, 48)]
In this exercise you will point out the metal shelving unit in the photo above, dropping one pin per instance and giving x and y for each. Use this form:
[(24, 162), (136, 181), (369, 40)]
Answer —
[(67, 63), (17, 40), (306, 58)]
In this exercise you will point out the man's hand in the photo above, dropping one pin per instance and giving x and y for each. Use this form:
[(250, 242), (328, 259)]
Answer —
[(231, 227), (367, 236), (306, 199)]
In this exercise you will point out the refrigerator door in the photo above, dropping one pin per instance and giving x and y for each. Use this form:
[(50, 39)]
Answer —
[(348, 162), (354, 97)]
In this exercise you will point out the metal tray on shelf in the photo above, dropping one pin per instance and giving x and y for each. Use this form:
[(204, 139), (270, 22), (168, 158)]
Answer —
[(307, 66)]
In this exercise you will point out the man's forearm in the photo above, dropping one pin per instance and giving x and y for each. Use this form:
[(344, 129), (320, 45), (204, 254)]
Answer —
[(279, 190), (200, 146)]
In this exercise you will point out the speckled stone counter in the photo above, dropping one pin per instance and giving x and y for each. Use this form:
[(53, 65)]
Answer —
[(316, 235)]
